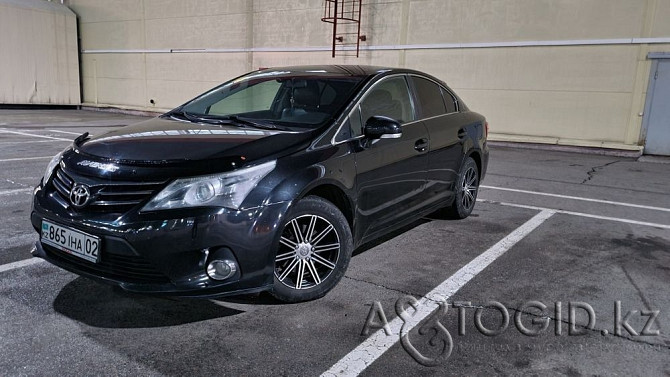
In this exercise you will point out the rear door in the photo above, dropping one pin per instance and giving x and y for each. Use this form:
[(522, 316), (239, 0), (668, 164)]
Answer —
[(391, 173), (437, 111)]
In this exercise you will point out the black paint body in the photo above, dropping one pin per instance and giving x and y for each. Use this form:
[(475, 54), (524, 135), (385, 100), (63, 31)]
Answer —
[(379, 185)]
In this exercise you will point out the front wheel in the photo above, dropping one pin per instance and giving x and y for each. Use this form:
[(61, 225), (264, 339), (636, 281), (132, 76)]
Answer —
[(313, 251), (467, 188)]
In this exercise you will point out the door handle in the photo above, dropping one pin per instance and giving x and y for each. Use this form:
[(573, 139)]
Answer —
[(462, 133), (421, 145)]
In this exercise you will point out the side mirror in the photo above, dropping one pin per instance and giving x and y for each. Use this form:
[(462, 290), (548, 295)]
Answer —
[(381, 127)]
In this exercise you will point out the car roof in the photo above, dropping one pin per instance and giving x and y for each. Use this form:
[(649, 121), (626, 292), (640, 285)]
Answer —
[(353, 70)]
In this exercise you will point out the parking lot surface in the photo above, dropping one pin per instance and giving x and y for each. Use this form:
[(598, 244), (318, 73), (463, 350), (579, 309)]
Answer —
[(553, 233)]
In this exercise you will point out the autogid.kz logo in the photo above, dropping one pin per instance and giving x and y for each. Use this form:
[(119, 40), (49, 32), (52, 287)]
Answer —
[(435, 343)]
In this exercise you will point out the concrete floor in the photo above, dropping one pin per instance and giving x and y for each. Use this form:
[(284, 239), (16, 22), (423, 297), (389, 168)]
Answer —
[(615, 248)]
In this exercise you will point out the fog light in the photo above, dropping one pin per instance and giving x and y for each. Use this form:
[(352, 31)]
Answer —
[(221, 269)]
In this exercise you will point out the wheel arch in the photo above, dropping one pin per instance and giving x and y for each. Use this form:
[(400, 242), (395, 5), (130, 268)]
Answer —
[(315, 181), (478, 160), (335, 195)]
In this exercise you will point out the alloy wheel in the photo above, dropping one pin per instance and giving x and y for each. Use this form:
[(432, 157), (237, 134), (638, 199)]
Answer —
[(309, 249), (469, 188)]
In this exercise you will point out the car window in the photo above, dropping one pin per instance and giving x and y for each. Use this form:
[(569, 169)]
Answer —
[(352, 126), (449, 101), (255, 98), (280, 98), (389, 98), (355, 122), (328, 94), (429, 96)]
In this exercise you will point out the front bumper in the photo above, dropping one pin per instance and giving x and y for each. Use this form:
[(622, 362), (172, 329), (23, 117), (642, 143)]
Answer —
[(169, 255)]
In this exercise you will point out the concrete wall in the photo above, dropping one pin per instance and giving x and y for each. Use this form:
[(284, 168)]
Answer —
[(39, 59), (578, 78)]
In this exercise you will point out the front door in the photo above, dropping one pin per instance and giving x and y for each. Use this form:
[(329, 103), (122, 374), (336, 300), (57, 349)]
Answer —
[(391, 173)]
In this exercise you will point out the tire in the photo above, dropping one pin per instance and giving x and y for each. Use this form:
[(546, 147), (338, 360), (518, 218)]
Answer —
[(313, 251), (467, 187)]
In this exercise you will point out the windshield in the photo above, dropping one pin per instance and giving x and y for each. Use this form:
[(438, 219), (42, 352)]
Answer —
[(302, 99)]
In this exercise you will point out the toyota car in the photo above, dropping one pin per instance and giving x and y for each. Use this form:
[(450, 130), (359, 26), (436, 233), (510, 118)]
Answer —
[(267, 182)]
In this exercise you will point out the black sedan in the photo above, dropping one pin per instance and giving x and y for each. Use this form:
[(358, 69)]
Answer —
[(266, 182)]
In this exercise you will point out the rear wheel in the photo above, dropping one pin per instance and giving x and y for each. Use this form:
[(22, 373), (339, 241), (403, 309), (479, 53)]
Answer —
[(313, 252), (467, 188)]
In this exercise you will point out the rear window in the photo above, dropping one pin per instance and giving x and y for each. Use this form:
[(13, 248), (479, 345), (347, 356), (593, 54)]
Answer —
[(430, 98), (449, 101)]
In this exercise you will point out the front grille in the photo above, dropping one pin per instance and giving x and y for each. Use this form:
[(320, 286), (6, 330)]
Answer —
[(107, 196), (127, 268)]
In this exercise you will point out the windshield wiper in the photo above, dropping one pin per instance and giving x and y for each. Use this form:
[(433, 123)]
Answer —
[(197, 118), (228, 119), (252, 122), (176, 114)]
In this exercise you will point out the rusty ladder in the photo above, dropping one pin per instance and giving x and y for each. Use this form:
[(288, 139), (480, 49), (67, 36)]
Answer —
[(345, 15)]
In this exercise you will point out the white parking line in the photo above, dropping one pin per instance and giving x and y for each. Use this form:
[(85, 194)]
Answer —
[(68, 132), (33, 135), (580, 214), (373, 347), (19, 264), (577, 198), (26, 158), (16, 191)]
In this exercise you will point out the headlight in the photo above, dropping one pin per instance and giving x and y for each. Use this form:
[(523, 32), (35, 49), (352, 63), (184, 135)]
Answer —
[(52, 165), (221, 190)]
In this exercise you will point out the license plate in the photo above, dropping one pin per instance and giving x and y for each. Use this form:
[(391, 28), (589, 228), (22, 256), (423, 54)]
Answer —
[(71, 241)]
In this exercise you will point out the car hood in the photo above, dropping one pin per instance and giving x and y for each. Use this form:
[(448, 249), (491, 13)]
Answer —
[(165, 141)]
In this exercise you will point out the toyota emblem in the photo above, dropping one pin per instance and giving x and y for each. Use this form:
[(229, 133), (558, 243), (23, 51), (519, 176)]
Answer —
[(79, 195)]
